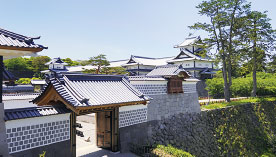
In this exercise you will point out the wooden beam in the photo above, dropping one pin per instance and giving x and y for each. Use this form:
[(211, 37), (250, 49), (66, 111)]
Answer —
[(29, 49), (109, 106)]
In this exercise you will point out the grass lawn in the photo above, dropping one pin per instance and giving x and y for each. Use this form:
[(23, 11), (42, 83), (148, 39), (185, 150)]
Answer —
[(233, 103)]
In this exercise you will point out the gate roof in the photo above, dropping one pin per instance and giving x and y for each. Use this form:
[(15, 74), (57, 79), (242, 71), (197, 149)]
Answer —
[(81, 92)]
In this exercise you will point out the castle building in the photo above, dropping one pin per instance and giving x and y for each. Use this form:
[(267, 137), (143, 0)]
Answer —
[(189, 57)]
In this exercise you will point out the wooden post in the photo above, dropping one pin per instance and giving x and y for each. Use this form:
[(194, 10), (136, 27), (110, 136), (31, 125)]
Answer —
[(73, 133), (115, 130), (1, 78)]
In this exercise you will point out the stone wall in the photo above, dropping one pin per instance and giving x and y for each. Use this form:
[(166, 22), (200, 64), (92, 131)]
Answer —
[(200, 87), (164, 106), (243, 130), (161, 107)]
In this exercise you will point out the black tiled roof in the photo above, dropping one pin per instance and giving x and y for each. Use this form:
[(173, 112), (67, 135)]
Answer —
[(21, 113), (11, 39), (81, 90), (166, 70)]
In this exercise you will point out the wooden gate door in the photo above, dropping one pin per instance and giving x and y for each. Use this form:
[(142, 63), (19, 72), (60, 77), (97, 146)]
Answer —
[(103, 129), (107, 129)]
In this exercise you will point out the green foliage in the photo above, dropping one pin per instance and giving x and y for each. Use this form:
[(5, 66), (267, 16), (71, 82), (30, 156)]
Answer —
[(19, 64), (245, 130), (169, 150), (70, 62), (35, 64), (99, 61), (108, 71), (26, 80), (243, 86), (268, 155), (234, 103), (38, 64)]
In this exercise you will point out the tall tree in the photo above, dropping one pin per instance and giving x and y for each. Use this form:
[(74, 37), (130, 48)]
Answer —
[(99, 61), (222, 29), (70, 62), (260, 38), (18, 64), (38, 64)]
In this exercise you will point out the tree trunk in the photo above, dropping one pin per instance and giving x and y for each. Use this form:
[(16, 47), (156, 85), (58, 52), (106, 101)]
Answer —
[(254, 90), (226, 85)]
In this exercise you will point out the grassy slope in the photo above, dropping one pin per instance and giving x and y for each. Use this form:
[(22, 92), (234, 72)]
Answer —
[(233, 103)]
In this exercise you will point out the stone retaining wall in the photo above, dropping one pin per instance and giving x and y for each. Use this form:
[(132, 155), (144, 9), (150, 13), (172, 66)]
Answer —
[(161, 107), (242, 130)]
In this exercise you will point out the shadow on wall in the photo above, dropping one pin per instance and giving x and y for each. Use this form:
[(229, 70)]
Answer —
[(244, 130)]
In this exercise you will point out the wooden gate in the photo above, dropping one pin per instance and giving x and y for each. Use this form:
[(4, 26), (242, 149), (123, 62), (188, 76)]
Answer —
[(107, 128)]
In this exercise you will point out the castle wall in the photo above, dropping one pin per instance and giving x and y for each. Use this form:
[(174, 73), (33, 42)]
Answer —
[(161, 106)]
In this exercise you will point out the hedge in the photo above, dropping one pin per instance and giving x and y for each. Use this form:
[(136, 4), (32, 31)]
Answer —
[(242, 87)]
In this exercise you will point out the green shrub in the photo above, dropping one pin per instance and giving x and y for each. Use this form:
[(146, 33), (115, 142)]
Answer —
[(241, 87), (169, 150), (26, 80)]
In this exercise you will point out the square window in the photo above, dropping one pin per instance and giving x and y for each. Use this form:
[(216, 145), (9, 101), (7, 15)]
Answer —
[(14, 149), (8, 130), (23, 147), (41, 143), (32, 145), (26, 142), (28, 146), (11, 135), (19, 129), (13, 129), (13, 139), (32, 126)]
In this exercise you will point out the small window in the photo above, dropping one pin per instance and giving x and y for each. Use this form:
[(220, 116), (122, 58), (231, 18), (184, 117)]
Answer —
[(175, 85)]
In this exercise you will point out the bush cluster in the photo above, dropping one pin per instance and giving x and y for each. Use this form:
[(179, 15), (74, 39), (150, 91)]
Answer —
[(26, 80), (242, 87), (169, 151)]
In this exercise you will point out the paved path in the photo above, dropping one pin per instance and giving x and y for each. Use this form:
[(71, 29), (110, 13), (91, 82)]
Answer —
[(88, 148), (204, 101), (94, 151)]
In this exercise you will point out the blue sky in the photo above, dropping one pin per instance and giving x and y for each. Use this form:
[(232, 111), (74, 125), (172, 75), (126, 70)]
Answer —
[(80, 29)]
